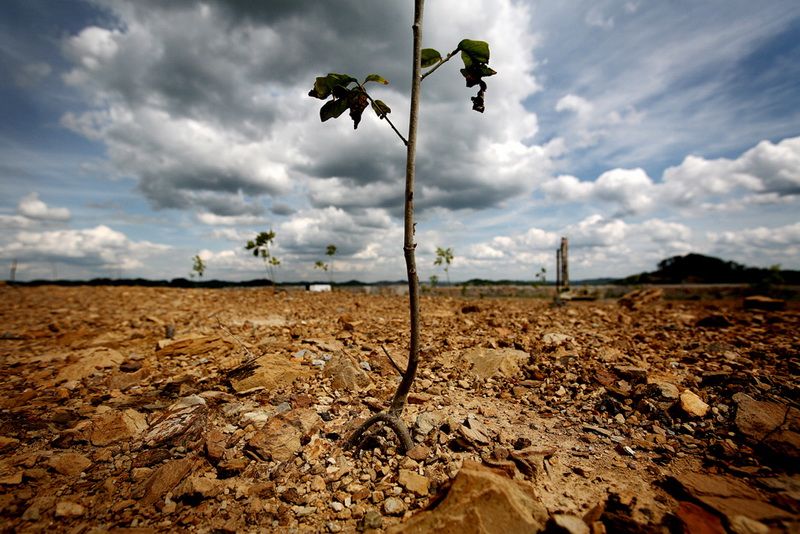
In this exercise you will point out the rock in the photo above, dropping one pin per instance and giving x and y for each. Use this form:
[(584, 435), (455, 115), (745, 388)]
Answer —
[(480, 500), (425, 423), (196, 488), (283, 435), (113, 425), (728, 496), (755, 419), (215, 445), (567, 524), (693, 405), (740, 524), (394, 506), (555, 339), (87, 362), (662, 391), (413, 482), (488, 363), (761, 302), (418, 452), (345, 374), (371, 519), (69, 509), (180, 425), (164, 479), (7, 443), (631, 373), (269, 371), (69, 463), (697, 519), (640, 297)]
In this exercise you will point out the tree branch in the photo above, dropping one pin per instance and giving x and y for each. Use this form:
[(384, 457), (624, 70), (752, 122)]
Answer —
[(394, 363), (403, 139), (442, 62)]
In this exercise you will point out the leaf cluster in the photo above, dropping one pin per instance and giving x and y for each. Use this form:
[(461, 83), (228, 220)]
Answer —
[(260, 244), (475, 55), (347, 94)]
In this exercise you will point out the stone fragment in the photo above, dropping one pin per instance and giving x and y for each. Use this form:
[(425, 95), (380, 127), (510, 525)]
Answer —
[(394, 506), (371, 519), (488, 363), (215, 445), (69, 509), (164, 479), (69, 463), (693, 405), (555, 339), (418, 452), (697, 519), (345, 374), (87, 362), (7, 443), (425, 423), (113, 425), (567, 524), (632, 373), (269, 371), (283, 435), (740, 524), (755, 419), (480, 500), (180, 425), (196, 488), (413, 482), (639, 298), (662, 390)]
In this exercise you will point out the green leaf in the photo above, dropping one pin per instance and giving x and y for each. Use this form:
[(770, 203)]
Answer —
[(324, 85), (478, 51), (376, 78), (380, 109), (332, 109), (430, 57)]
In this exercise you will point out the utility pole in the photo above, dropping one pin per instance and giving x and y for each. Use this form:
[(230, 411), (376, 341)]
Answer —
[(564, 253), (558, 270), (14, 270)]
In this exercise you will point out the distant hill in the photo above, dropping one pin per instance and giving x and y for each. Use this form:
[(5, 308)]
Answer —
[(699, 269)]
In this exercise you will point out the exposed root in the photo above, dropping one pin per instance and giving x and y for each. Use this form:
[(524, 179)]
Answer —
[(356, 439)]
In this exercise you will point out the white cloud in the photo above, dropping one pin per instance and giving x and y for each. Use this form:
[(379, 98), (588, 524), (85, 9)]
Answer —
[(98, 246), (32, 207), (32, 74), (229, 220), (576, 104)]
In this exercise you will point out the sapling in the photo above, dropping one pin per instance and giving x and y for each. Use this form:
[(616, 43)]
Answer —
[(330, 251), (343, 92), (260, 247), (444, 256), (198, 266)]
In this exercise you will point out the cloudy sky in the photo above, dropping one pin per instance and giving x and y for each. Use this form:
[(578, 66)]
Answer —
[(135, 134)]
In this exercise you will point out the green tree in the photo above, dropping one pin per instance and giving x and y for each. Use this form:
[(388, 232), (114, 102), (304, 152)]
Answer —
[(444, 256), (541, 277), (260, 247), (434, 280), (198, 266), (343, 92)]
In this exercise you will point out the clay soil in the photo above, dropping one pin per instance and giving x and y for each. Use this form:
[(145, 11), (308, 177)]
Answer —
[(163, 410)]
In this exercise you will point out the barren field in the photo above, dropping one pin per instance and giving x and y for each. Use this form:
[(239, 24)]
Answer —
[(163, 410)]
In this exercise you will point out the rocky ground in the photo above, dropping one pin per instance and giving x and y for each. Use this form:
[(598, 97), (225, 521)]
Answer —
[(156, 410)]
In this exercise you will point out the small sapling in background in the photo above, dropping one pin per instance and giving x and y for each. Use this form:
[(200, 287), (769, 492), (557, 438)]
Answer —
[(260, 247)]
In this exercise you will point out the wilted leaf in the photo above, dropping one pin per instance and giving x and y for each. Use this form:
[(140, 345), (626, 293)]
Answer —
[(430, 57), (376, 78), (333, 109), (380, 108), (477, 51), (357, 101)]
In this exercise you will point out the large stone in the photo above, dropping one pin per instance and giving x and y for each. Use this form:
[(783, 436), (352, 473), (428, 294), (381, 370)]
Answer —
[(283, 435), (69, 463), (164, 479), (488, 363), (269, 371), (761, 302), (755, 419), (693, 405), (113, 425), (87, 362), (413, 482), (345, 374), (481, 501), (180, 425)]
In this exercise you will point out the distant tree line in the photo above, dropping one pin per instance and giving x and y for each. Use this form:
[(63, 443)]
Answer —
[(700, 269)]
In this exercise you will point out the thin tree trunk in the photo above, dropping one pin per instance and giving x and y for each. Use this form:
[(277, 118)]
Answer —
[(400, 396)]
